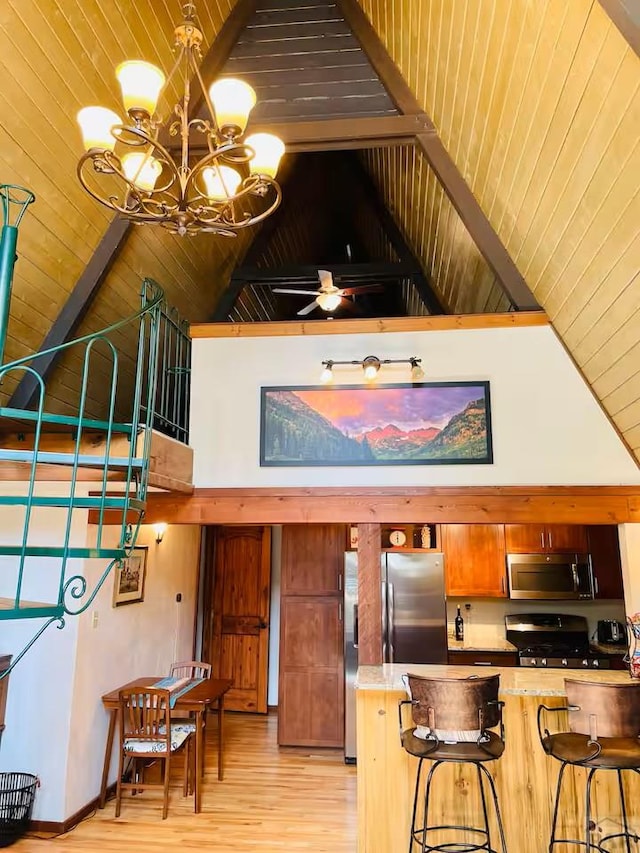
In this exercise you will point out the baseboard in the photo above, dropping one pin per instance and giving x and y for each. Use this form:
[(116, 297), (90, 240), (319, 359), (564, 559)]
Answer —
[(272, 709), (58, 827)]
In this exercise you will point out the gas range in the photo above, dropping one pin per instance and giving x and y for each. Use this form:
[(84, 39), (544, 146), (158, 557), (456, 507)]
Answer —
[(553, 640)]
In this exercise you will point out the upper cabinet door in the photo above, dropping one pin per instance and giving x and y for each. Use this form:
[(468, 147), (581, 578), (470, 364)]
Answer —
[(312, 559), (525, 538), (474, 560), (566, 537), (604, 548)]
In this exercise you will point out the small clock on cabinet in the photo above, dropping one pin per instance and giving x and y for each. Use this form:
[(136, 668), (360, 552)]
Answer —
[(397, 538)]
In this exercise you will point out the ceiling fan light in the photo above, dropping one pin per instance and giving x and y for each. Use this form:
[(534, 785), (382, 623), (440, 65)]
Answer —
[(96, 124), (328, 301), (141, 84), (232, 101), (221, 182), (268, 152)]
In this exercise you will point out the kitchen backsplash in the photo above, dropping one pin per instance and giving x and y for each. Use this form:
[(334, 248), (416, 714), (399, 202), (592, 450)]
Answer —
[(485, 620)]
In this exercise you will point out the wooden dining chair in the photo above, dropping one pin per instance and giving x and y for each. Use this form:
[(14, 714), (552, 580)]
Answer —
[(191, 669), (146, 733)]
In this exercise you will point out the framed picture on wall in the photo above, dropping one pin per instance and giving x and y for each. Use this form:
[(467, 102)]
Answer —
[(129, 578), (428, 423)]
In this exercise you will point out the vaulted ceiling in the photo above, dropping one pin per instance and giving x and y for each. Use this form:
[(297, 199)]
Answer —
[(537, 103)]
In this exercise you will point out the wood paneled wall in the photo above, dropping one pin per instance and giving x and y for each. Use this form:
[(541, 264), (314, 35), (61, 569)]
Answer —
[(56, 57), (538, 103)]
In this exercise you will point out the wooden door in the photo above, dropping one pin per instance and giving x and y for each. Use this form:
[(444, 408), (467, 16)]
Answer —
[(604, 547), (311, 700), (240, 634), (312, 559), (474, 560), (525, 538), (563, 538)]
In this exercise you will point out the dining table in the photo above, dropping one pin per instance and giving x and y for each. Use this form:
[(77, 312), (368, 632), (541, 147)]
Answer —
[(197, 700)]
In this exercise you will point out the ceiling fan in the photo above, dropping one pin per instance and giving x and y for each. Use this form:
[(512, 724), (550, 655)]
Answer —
[(328, 296)]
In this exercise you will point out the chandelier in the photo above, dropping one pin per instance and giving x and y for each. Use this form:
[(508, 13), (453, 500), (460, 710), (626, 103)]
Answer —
[(127, 167)]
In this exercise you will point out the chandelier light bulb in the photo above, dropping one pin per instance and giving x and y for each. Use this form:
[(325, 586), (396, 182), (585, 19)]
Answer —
[(328, 301), (221, 182), (141, 84), (327, 374), (232, 101), (142, 170), (96, 124), (268, 152), (371, 366)]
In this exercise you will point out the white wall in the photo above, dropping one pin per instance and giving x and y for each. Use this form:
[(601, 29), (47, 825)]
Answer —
[(547, 427), (56, 725)]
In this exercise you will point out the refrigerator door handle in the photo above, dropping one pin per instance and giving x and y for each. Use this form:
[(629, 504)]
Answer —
[(391, 622), (355, 626), (384, 622)]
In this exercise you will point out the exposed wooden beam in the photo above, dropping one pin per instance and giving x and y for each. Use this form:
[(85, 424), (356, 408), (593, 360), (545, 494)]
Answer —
[(74, 310), (625, 14), (386, 69), (400, 246), (379, 325), (500, 504), (369, 595), (476, 223)]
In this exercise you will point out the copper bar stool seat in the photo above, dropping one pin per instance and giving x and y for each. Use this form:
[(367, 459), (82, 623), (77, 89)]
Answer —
[(453, 718), (604, 734)]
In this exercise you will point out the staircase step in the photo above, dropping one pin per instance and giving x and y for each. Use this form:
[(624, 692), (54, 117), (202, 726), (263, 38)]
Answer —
[(59, 551), (28, 610), (64, 420), (84, 460), (94, 502)]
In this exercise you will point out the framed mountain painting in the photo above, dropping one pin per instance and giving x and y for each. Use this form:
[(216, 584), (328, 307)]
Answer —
[(430, 423)]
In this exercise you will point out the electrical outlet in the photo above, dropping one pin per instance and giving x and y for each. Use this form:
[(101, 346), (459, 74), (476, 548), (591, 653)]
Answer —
[(94, 619), (467, 607)]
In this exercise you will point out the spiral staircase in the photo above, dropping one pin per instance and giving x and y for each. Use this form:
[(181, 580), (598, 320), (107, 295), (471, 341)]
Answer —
[(90, 465)]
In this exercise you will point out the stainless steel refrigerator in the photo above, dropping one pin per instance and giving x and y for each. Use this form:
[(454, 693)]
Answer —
[(414, 620)]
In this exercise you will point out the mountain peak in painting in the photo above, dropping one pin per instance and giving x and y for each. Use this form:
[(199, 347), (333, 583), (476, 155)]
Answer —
[(392, 438)]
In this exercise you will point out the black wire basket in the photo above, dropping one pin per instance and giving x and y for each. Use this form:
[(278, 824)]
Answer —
[(17, 793)]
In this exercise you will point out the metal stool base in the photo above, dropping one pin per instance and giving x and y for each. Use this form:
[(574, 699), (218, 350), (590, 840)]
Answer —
[(419, 835)]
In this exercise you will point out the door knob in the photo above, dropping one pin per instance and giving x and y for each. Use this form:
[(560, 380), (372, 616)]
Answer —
[(262, 624)]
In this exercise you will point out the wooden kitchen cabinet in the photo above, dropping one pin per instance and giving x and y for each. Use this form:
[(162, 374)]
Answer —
[(474, 560), (545, 538), (604, 547), (460, 657), (312, 559)]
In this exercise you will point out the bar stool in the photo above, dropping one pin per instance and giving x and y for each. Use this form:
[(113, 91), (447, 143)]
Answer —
[(604, 732), (452, 720)]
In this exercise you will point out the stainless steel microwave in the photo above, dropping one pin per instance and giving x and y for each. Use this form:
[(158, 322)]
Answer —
[(549, 576)]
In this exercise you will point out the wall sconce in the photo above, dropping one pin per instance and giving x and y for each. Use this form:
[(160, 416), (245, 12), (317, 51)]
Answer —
[(371, 365), (159, 530)]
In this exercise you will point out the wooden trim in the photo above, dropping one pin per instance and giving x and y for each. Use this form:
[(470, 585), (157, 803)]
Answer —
[(59, 827), (621, 15), (375, 326), (462, 505), (369, 595), (477, 223), (388, 72), (75, 308)]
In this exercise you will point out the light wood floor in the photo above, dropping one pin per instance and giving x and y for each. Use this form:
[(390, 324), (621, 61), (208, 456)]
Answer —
[(271, 799)]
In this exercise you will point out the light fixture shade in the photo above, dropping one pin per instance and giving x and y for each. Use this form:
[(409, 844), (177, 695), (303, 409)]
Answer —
[(221, 182), (141, 84), (159, 529), (328, 301), (232, 101), (371, 366), (268, 152), (141, 169), (95, 124), (327, 375)]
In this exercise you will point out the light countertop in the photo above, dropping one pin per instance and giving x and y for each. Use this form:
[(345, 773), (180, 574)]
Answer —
[(519, 681), (478, 644)]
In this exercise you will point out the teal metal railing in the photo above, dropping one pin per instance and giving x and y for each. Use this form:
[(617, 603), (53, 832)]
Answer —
[(97, 465)]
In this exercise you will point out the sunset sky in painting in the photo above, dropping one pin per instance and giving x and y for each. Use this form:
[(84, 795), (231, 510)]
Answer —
[(358, 410)]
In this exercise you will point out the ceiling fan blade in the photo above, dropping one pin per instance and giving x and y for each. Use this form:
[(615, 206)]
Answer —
[(349, 306), (297, 292), (308, 308), (362, 288), (326, 279)]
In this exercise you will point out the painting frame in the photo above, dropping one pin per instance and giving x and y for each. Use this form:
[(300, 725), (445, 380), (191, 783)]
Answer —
[(129, 579), (268, 458)]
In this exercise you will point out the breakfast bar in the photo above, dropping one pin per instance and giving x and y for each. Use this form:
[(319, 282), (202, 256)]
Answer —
[(525, 777)]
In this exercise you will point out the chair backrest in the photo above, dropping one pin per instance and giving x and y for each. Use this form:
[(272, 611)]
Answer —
[(190, 669), (455, 704), (605, 710), (145, 715)]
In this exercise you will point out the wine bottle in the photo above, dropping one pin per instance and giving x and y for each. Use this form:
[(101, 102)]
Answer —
[(459, 625)]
